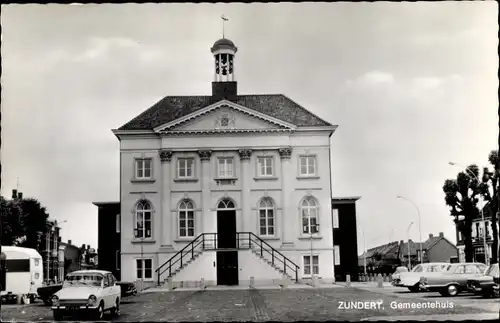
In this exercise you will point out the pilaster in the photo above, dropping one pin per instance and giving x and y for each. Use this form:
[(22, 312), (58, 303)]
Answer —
[(288, 219), (246, 175), (166, 232), (205, 157)]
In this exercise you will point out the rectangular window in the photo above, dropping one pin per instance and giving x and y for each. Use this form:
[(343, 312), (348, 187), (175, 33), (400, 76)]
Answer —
[(477, 229), (118, 223), (186, 223), (143, 224), (265, 165), (307, 165), (144, 268), (335, 215), (486, 229), (226, 167), (185, 167), (17, 265), (336, 255), (143, 168), (310, 223), (311, 265), (266, 222)]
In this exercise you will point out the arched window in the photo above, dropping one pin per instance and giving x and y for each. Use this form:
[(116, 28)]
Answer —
[(309, 213), (266, 217), (226, 204), (143, 219), (186, 219)]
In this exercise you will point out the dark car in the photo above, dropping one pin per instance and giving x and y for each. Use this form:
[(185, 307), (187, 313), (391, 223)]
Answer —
[(128, 289), (486, 285), (45, 292)]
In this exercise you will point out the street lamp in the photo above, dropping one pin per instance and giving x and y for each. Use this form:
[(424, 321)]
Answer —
[(419, 225), (481, 206), (139, 233), (409, 254)]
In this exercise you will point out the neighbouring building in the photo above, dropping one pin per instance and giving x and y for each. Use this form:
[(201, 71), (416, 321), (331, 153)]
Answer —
[(88, 257), (478, 230), (108, 237), (50, 252), (435, 249), (380, 259), (344, 234), (69, 258), (240, 183)]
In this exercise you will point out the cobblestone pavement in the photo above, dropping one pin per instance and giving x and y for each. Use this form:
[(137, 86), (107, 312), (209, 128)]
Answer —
[(254, 305)]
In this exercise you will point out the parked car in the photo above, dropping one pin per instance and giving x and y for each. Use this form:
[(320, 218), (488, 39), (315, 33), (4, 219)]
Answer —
[(411, 279), (87, 291), (45, 292), (486, 285), (453, 280), (127, 289), (399, 270)]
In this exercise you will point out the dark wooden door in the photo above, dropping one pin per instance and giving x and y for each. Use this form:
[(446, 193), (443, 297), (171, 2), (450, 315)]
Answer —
[(226, 229), (227, 267), (3, 273)]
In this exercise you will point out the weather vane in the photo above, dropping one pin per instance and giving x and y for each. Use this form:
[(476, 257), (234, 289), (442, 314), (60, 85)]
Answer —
[(223, 20)]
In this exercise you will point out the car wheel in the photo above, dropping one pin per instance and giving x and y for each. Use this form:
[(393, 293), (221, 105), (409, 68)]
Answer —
[(452, 290), (99, 312), (57, 315), (115, 311), (414, 289)]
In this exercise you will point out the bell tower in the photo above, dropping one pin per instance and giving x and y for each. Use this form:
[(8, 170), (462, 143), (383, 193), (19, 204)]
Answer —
[(224, 85)]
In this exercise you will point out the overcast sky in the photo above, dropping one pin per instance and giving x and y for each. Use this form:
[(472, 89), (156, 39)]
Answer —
[(412, 86)]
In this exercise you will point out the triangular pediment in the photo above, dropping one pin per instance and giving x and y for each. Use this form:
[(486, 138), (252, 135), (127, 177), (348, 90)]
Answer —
[(225, 116)]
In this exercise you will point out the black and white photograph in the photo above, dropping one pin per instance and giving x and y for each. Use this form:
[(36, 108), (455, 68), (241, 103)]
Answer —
[(202, 162)]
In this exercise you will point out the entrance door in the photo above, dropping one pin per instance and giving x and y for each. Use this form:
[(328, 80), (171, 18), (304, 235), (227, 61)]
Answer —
[(226, 229), (227, 260), (3, 273), (227, 267)]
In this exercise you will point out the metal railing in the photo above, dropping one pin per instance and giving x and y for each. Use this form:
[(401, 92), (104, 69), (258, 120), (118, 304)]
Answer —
[(208, 241)]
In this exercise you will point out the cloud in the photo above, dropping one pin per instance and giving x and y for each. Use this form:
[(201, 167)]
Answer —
[(372, 78)]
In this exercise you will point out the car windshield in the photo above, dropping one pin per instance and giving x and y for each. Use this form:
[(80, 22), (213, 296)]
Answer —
[(492, 271), (83, 280), (401, 270), (418, 269)]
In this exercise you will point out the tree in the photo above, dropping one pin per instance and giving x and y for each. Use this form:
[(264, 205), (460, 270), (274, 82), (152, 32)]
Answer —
[(24, 222), (489, 192), (461, 195)]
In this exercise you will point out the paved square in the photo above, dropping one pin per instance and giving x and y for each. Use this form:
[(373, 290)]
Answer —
[(254, 305)]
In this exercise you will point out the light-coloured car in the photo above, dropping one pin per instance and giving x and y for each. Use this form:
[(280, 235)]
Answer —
[(87, 292), (411, 279), (453, 280)]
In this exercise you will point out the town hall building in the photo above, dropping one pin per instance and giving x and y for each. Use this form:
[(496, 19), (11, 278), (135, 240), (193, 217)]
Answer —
[(226, 188)]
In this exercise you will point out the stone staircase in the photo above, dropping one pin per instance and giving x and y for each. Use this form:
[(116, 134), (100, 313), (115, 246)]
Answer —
[(275, 266)]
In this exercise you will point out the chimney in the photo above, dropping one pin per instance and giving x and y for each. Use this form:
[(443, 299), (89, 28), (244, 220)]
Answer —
[(431, 236), (224, 91), (20, 195), (14, 194), (69, 242), (441, 235)]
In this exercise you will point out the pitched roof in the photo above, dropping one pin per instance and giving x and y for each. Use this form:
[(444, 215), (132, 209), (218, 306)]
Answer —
[(386, 250), (171, 108)]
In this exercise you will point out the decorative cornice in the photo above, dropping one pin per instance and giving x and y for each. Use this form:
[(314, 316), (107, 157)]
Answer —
[(165, 155), (222, 132), (205, 155), (285, 153), (245, 154)]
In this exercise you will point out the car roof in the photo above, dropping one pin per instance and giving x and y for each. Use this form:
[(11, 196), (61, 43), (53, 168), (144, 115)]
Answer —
[(89, 272)]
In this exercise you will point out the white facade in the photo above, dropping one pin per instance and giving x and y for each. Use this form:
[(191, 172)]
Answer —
[(165, 190)]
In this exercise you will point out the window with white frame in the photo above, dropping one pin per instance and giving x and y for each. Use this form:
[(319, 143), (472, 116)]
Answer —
[(335, 218), (307, 165), (118, 223), (185, 168), (336, 254), (186, 219), (265, 166), (311, 265), (266, 217), (144, 268), (309, 213), (143, 219), (226, 167), (143, 168)]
